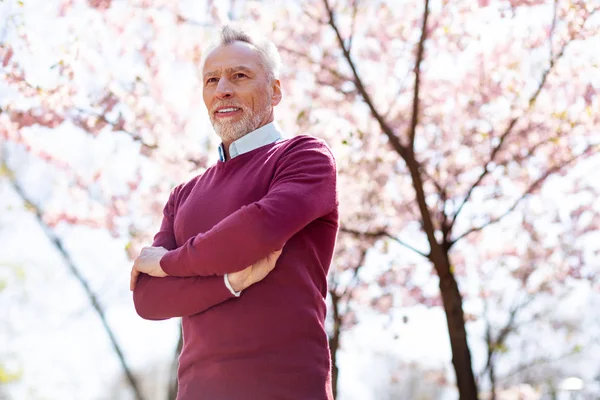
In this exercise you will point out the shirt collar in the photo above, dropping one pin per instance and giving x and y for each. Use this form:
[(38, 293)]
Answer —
[(262, 136)]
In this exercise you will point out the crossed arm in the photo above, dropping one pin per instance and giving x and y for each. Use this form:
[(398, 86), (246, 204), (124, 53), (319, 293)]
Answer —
[(162, 297), (158, 298), (303, 189)]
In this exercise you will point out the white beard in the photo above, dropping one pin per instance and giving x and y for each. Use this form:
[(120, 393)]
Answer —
[(232, 131)]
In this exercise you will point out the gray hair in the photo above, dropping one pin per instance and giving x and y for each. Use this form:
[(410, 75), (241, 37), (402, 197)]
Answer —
[(267, 51)]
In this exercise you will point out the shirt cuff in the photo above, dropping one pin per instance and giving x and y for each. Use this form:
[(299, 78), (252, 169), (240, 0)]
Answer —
[(233, 292)]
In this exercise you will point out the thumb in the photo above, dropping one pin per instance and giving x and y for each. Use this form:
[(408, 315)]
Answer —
[(275, 254)]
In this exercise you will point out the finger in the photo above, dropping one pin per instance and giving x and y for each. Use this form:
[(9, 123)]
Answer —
[(133, 280), (276, 254)]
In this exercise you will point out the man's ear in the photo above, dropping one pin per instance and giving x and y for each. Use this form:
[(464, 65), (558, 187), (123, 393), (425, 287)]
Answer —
[(277, 95)]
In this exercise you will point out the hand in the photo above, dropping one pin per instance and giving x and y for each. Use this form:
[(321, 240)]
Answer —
[(148, 262), (254, 273)]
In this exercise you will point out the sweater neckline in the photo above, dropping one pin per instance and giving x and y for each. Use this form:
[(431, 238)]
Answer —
[(222, 165)]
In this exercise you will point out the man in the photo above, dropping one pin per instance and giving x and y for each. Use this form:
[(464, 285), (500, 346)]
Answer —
[(266, 201)]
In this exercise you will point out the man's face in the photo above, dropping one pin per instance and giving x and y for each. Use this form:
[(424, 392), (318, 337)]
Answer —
[(238, 95)]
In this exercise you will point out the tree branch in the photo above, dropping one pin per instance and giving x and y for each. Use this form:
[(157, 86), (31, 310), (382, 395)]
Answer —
[(383, 233), (352, 25), (508, 328), (507, 132), (435, 255), (387, 130), (57, 242), (443, 193), (552, 28), (539, 361), (420, 51), (115, 125), (532, 187), (173, 383), (359, 264), (305, 55)]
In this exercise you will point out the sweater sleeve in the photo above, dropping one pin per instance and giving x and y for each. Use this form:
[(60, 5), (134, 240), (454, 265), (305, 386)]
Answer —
[(302, 190), (169, 297)]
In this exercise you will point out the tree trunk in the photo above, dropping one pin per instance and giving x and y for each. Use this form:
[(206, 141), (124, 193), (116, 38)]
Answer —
[(493, 382), (172, 395), (461, 355), (334, 340)]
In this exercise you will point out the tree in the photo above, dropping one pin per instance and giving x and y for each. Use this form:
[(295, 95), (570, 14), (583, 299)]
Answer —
[(475, 141)]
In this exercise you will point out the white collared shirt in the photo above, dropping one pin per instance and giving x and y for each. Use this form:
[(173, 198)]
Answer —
[(266, 134), (260, 137)]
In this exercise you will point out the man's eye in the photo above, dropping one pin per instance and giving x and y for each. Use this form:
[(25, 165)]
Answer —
[(211, 80), (240, 75)]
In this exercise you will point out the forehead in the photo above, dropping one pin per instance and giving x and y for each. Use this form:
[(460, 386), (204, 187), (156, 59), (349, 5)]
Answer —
[(233, 54)]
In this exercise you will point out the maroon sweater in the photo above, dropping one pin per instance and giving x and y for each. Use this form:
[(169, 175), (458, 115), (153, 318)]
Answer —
[(269, 343)]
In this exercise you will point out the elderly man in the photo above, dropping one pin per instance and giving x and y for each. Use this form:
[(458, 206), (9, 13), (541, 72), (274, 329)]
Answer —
[(262, 221)]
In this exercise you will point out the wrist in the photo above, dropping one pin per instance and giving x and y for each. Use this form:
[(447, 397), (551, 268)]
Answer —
[(232, 286)]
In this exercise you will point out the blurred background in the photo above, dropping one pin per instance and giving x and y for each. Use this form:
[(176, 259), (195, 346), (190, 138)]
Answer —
[(467, 136)]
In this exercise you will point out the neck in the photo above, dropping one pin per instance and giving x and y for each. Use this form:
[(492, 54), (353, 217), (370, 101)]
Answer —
[(227, 142)]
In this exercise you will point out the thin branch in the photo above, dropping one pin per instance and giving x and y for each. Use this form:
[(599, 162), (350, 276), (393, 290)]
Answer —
[(359, 264), (444, 199), (402, 86), (507, 329), (532, 187), (57, 242), (539, 361), (314, 17), (389, 132), (507, 132), (531, 104), (102, 117), (383, 233), (490, 351), (173, 383), (437, 185), (305, 55), (488, 338), (552, 28), (352, 25), (420, 51), (536, 146), (405, 152)]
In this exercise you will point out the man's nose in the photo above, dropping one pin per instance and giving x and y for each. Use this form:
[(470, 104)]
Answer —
[(224, 89)]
